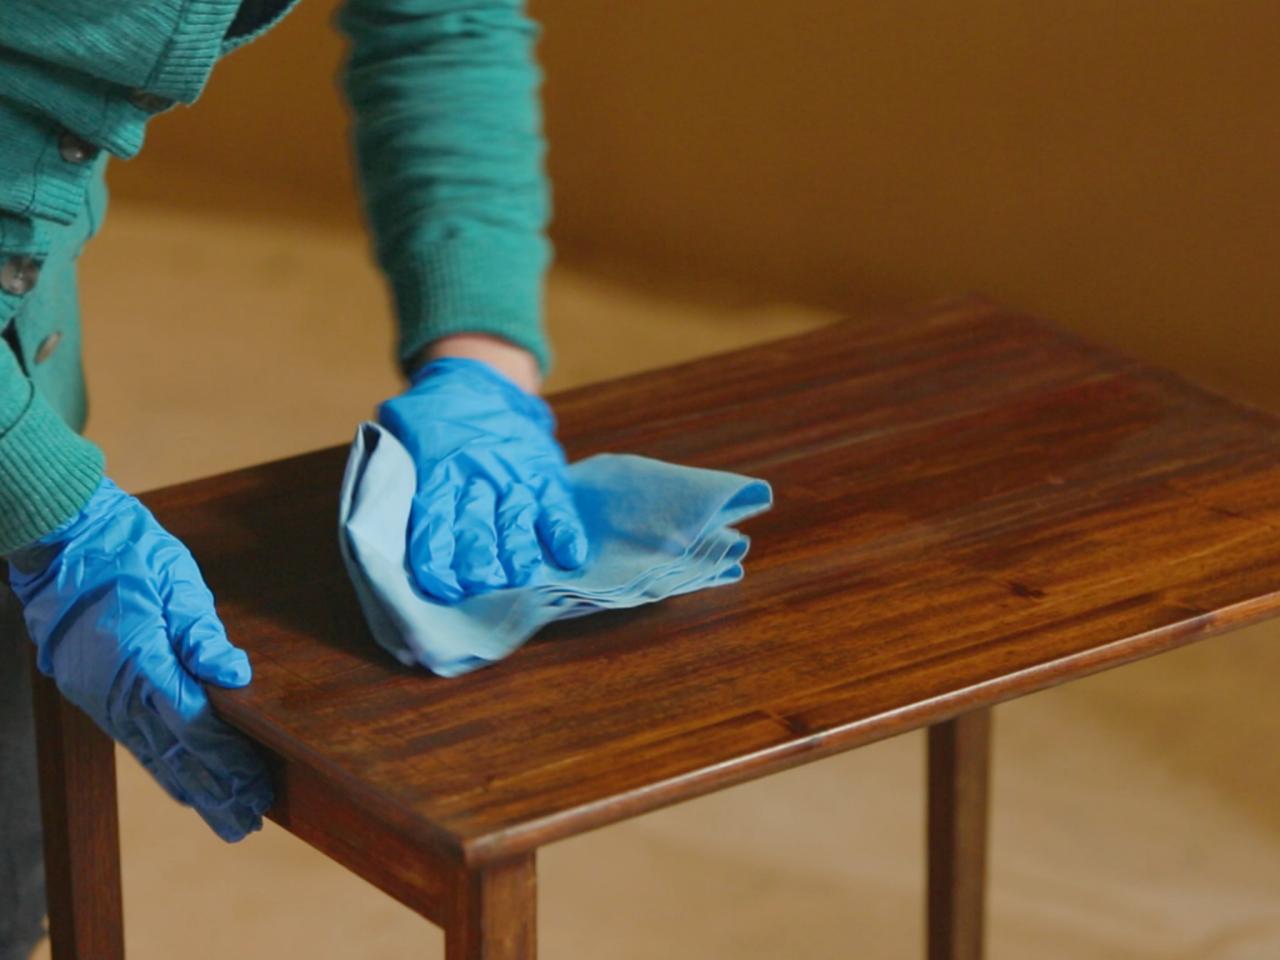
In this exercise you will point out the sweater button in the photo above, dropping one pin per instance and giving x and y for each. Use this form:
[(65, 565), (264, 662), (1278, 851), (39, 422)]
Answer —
[(75, 149), (150, 102), (47, 346), (18, 275)]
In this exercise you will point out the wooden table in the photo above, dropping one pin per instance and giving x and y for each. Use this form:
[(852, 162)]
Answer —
[(971, 505)]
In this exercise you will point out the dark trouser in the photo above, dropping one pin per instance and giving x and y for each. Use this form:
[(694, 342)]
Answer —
[(22, 904)]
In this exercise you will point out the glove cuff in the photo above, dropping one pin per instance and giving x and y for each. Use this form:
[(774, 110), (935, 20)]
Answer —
[(528, 404)]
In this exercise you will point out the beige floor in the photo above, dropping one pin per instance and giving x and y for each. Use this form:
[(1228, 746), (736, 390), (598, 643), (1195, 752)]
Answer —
[(1135, 813)]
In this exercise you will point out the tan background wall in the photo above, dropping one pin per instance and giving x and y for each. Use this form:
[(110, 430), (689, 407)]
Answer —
[(1113, 165)]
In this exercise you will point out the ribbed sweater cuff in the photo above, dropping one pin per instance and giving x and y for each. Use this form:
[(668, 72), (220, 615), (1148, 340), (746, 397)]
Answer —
[(195, 47), (61, 190), (47, 473), (479, 284)]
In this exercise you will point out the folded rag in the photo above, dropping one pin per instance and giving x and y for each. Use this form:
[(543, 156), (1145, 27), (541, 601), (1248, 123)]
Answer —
[(655, 529)]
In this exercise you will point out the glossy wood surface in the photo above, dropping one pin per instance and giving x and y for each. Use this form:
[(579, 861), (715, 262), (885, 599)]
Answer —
[(971, 505)]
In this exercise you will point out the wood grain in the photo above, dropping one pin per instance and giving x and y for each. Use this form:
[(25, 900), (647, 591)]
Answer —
[(971, 505), (959, 776), (373, 844), (81, 829), (494, 914)]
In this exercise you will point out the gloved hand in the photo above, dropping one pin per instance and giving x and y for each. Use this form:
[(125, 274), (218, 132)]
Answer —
[(123, 622), (492, 493)]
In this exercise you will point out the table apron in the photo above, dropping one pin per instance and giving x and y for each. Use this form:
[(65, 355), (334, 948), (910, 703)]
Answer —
[(419, 875)]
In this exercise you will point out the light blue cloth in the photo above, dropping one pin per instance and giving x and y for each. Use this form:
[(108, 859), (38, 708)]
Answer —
[(655, 529)]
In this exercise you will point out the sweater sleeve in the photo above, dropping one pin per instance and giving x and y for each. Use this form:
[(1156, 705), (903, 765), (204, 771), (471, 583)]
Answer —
[(47, 470), (448, 141)]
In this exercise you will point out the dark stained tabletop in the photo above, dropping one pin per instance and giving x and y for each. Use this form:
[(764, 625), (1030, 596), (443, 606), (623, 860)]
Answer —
[(971, 505)]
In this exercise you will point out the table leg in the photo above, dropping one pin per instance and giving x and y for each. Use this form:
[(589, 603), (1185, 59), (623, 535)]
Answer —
[(959, 764), (494, 912), (81, 830)]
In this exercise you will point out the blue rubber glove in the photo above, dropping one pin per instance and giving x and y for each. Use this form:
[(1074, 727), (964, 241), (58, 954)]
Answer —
[(492, 493), (123, 622)]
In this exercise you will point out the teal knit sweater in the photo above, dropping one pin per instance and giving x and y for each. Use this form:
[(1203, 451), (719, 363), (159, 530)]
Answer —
[(448, 138)]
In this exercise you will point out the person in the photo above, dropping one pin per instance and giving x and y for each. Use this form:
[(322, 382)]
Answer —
[(447, 129)]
